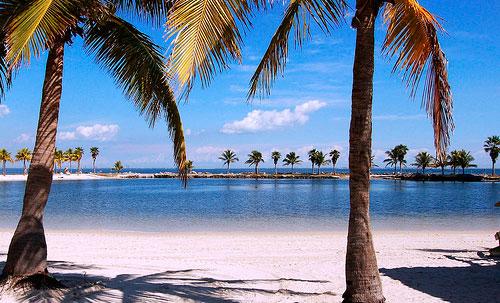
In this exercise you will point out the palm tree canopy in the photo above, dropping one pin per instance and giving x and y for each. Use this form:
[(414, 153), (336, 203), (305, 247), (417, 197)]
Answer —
[(118, 166), (254, 158), (334, 155), (312, 155), (441, 161), (79, 153), (423, 159), (492, 146), (465, 159), (5, 155), (275, 155), (94, 152), (24, 154), (320, 159), (228, 156), (392, 158), (291, 159)]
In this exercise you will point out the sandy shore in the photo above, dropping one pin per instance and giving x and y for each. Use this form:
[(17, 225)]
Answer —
[(63, 177), (102, 266)]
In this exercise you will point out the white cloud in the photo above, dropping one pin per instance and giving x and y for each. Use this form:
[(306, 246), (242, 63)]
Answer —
[(188, 132), (23, 138), (259, 120), (96, 132), (4, 110)]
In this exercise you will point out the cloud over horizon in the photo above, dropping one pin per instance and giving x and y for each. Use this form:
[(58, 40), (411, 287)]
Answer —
[(96, 132), (260, 120), (4, 110)]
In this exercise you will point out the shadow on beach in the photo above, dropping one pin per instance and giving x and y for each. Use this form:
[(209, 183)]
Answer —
[(477, 281)]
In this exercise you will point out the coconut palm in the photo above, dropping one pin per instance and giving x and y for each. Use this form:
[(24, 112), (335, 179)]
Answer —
[(276, 156), (312, 157), (189, 166), (392, 159), (59, 159), (453, 160), (291, 159), (5, 157), (423, 160), (228, 156), (117, 167), (78, 158), (401, 151), (441, 162), (94, 152), (70, 156), (321, 160), (492, 146), (334, 155), (465, 160), (24, 154), (202, 49), (32, 27), (255, 158)]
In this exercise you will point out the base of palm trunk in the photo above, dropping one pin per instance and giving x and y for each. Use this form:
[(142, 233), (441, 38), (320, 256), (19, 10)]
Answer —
[(361, 299), (37, 282)]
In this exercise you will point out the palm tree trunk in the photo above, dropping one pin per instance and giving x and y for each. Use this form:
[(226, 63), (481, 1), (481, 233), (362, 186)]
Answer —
[(463, 170), (228, 168), (78, 168), (4, 168), (493, 168), (362, 276), (275, 169), (27, 254), (24, 167), (442, 170), (93, 165)]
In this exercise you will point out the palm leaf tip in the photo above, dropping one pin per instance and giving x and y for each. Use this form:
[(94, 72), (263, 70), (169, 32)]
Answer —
[(412, 38)]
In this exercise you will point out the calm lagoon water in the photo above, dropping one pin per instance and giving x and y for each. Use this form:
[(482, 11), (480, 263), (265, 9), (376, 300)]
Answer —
[(260, 205)]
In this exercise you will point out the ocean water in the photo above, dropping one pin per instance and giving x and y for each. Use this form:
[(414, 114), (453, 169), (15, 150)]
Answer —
[(255, 205)]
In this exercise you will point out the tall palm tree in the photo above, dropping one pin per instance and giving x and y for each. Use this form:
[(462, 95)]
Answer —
[(228, 156), (24, 154), (312, 154), (291, 159), (117, 167), (401, 151), (202, 49), (94, 152), (453, 160), (59, 159), (30, 28), (69, 154), (334, 155), (78, 158), (321, 160), (5, 157), (441, 162), (392, 159), (465, 160), (255, 158), (276, 156), (492, 146), (423, 160)]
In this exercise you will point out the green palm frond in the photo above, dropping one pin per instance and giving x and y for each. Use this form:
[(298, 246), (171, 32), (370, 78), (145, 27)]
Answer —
[(138, 67), (152, 11), (412, 39), (32, 25), (326, 14)]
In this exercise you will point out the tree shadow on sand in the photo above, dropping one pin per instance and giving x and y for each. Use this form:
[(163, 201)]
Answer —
[(477, 281), (167, 286)]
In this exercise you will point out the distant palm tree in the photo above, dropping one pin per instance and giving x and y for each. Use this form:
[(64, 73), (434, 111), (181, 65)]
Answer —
[(94, 152), (70, 157), (5, 157), (276, 156), (492, 146), (78, 157), (255, 158), (401, 151), (24, 154), (334, 155), (118, 167), (392, 159), (312, 157), (453, 160), (189, 166), (465, 160), (423, 160), (321, 160), (372, 164), (59, 159), (292, 159), (441, 162), (228, 156)]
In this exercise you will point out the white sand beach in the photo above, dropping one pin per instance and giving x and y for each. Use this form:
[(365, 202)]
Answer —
[(65, 177), (107, 266)]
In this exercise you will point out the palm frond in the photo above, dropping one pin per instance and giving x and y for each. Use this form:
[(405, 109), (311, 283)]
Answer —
[(138, 67), (152, 11), (412, 39), (326, 13), (32, 25)]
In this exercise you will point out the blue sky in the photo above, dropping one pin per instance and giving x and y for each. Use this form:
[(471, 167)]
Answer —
[(309, 106)]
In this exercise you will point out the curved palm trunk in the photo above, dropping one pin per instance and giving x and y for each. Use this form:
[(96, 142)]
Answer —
[(27, 254), (362, 276)]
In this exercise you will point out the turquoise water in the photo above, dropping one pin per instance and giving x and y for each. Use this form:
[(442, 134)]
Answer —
[(260, 205)]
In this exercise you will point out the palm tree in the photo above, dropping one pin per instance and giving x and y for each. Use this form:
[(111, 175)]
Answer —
[(334, 155), (94, 152), (441, 162), (69, 154), (453, 160), (137, 64), (423, 160), (492, 146), (202, 49), (78, 158), (465, 160), (275, 155), (312, 157), (291, 159), (189, 166), (392, 159), (117, 167), (321, 160), (59, 158), (5, 157), (254, 158), (372, 163), (228, 156), (24, 154), (401, 151)]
